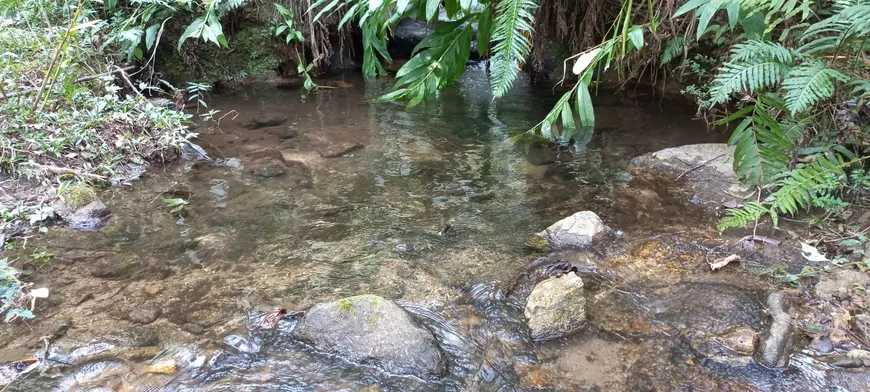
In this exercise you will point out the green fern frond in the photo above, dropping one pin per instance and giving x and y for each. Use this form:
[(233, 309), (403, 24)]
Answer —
[(230, 5), (438, 61), (672, 49), (830, 34), (740, 217), (747, 76), (761, 145), (809, 83), (758, 50), (796, 186), (513, 20)]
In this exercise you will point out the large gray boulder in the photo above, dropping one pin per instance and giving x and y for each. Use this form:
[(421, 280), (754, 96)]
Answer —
[(574, 231), (556, 307), (370, 330)]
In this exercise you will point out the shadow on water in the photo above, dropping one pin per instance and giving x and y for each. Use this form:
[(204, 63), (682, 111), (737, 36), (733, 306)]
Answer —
[(432, 211)]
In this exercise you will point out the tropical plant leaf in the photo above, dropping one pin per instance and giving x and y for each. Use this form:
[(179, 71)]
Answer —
[(511, 32), (809, 83)]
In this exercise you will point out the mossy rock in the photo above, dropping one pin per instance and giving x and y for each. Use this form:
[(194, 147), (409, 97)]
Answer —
[(368, 329), (80, 195)]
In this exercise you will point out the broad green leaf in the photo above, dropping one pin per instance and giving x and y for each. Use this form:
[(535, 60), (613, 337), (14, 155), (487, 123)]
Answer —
[(151, 35), (191, 30), (569, 128), (402, 5), (466, 7), (584, 106), (690, 6), (636, 36), (432, 9), (484, 31), (375, 4)]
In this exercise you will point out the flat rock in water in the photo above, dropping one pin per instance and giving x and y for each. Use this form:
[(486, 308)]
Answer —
[(708, 308), (371, 330), (574, 231), (283, 132), (707, 168), (556, 307), (861, 325), (265, 121), (144, 314), (91, 217), (267, 168), (339, 149)]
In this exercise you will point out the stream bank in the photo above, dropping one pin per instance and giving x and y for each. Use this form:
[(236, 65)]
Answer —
[(332, 198)]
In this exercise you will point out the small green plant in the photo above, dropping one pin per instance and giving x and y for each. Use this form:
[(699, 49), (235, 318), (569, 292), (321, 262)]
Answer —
[(175, 205), (286, 26), (13, 294), (42, 257)]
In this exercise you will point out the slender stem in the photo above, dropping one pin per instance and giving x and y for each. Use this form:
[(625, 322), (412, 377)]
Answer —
[(57, 55)]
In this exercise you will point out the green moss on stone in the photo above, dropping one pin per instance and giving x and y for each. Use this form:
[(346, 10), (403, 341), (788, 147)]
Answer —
[(80, 195)]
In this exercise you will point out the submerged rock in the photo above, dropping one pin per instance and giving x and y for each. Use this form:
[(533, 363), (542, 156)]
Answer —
[(371, 330), (265, 121), (556, 307), (90, 217), (707, 168), (861, 326), (774, 347), (733, 348), (709, 308), (144, 314), (574, 231), (339, 149), (268, 168)]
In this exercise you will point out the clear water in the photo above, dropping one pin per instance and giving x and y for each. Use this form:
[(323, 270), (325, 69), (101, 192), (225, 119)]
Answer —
[(369, 222)]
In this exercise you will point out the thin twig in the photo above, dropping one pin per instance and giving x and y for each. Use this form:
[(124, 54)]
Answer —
[(699, 166)]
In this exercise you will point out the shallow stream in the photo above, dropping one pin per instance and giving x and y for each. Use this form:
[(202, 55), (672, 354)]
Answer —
[(432, 210)]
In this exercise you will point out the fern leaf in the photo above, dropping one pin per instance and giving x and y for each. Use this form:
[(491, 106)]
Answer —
[(230, 5), (746, 76), (762, 147), (758, 50), (796, 186), (740, 217), (672, 49), (808, 84), (513, 20)]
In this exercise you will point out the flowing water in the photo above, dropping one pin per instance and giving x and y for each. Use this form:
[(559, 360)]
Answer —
[(432, 210)]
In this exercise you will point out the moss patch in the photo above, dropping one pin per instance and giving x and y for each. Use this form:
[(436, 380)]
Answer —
[(251, 53), (80, 195)]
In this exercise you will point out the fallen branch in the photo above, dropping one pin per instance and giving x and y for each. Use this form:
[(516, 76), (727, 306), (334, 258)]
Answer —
[(79, 80), (66, 170)]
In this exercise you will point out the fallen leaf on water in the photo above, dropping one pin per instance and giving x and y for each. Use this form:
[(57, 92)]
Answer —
[(811, 253), (167, 366), (719, 263), (342, 84)]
